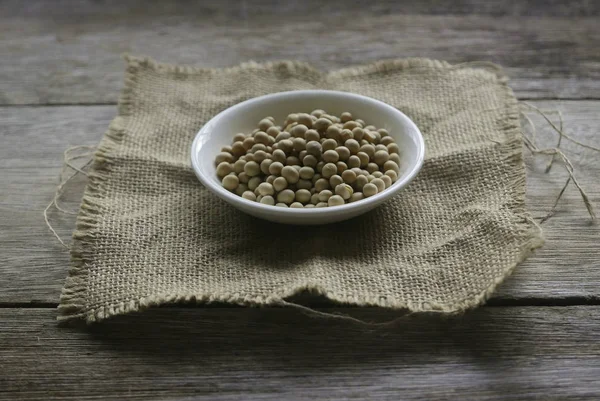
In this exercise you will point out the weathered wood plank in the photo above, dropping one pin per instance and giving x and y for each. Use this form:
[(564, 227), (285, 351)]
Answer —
[(33, 265), (69, 52), (32, 262), (516, 353), (237, 9), (569, 263)]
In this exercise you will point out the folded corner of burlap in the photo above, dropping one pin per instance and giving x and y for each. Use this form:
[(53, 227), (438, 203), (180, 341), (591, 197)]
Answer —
[(148, 233)]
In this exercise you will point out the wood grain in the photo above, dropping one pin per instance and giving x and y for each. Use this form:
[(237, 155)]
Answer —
[(33, 265), (68, 52), (32, 262), (516, 353)]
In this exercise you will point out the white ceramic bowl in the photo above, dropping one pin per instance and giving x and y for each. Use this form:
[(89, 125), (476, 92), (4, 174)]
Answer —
[(244, 117)]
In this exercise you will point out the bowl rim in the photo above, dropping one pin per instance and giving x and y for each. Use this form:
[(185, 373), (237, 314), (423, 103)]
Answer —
[(348, 207)]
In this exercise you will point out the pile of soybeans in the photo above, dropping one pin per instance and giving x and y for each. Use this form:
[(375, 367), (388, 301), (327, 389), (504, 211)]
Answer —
[(312, 160)]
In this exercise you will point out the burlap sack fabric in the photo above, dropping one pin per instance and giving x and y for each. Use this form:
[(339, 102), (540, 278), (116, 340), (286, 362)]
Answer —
[(149, 233)]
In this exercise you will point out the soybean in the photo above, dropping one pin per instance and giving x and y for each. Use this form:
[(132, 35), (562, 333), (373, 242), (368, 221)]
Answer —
[(369, 190), (224, 168), (290, 174), (335, 200), (286, 196), (230, 182)]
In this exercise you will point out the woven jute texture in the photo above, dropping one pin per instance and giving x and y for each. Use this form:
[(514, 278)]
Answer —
[(149, 233)]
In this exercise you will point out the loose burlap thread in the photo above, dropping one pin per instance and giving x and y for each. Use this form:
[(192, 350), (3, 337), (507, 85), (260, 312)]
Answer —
[(149, 233)]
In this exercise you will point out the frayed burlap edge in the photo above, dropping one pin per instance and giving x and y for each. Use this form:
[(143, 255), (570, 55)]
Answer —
[(73, 298)]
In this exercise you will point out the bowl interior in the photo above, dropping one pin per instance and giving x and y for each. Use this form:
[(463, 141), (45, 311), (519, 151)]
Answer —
[(245, 116)]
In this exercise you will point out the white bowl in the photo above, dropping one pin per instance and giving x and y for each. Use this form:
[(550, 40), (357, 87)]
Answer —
[(244, 117)]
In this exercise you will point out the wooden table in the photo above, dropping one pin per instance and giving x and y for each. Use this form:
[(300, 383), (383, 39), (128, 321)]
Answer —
[(60, 74)]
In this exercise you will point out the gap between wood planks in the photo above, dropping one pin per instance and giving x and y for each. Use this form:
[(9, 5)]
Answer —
[(84, 104), (492, 303)]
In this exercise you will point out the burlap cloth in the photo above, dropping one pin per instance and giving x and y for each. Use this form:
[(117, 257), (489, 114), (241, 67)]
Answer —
[(148, 232)]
